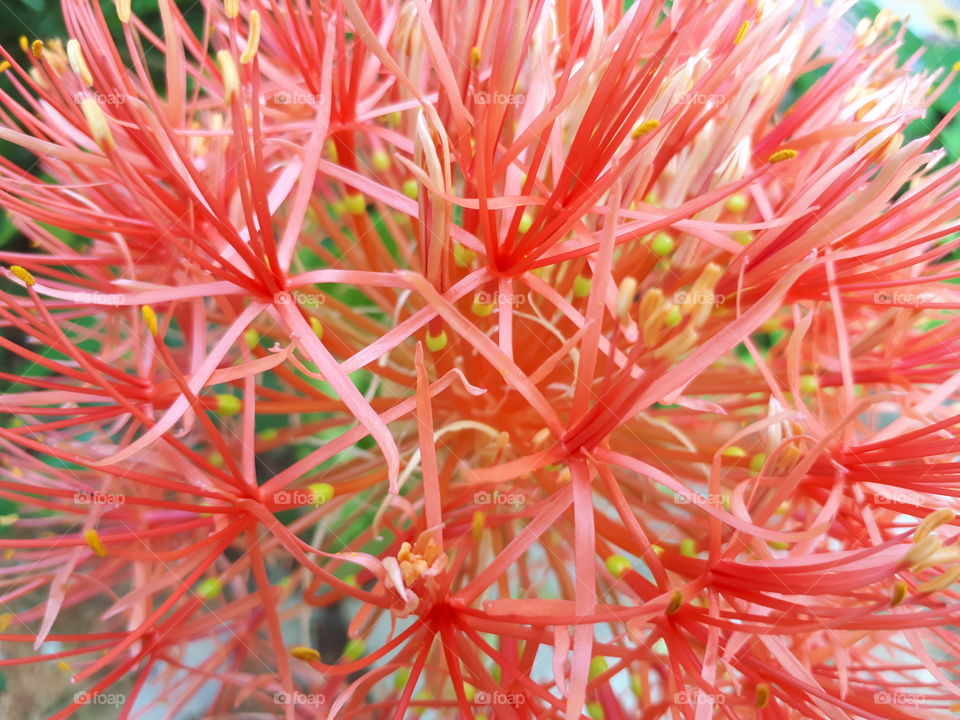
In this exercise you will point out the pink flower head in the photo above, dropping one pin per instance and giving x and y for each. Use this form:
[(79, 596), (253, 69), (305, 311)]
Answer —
[(584, 360)]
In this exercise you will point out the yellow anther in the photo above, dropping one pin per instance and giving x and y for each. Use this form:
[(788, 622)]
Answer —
[(625, 297), (23, 275), (123, 11), (866, 137), (864, 109), (931, 522), (617, 565), (231, 8), (322, 493), (228, 72), (5, 620), (4, 66), (650, 303), (673, 316), (227, 404), (700, 300), (268, 434), (645, 127), (737, 203), (24, 43), (889, 147), (939, 583), (899, 593), (581, 286), (381, 160), (480, 306), (353, 650), (598, 666), (36, 47), (475, 57), (477, 523), (411, 189), (676, 600), (416, 560), (781, 155), (540, 437), (763, 695), (678, 345), (97, 123), (355, 203), (401, 677), (463, 255), (331, 150), (150, 318), (662, 244), (77, 62), (742, 32), (253, 39), (921, 552), (436, 343), (317, 327), (96, 544), (307, 654), (209, 588)]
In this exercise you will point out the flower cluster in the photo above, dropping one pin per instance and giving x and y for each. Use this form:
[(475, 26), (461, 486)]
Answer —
[(314, 285)]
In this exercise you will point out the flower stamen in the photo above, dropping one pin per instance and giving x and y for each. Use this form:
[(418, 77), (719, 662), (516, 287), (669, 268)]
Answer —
[(253, 40), (96, 544)]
